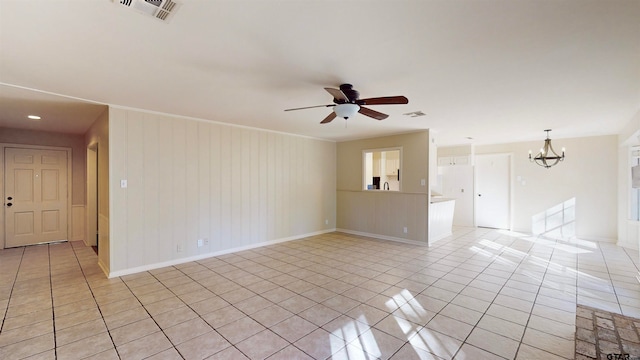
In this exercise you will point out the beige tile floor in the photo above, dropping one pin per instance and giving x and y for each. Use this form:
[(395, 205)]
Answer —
[(481, 294)]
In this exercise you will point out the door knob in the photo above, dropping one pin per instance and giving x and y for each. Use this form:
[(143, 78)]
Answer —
[(9, 198), (9, 204), (479, 194)]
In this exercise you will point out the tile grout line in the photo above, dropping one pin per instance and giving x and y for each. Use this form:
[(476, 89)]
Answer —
[(637, 274), (317, 303), (84, 276), (441, 258), (536, 298), (454, 262), (13, 284), (151, 316), (604, 258), (281, 286), (492, 302), (53, 309), (247, 315), (635, 264), (318, 327), (200, 316)]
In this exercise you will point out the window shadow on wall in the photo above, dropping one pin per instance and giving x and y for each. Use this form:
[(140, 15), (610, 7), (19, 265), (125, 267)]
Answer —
[(556, 222)]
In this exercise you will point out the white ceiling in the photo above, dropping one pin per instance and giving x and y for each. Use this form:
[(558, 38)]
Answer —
[(496, 71)]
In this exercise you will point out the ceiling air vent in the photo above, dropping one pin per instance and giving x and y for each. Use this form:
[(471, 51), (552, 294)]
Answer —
[(415, 114), (159, 9)]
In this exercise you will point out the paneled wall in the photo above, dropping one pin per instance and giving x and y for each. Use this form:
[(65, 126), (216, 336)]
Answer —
[(386, 214), (231, 187)]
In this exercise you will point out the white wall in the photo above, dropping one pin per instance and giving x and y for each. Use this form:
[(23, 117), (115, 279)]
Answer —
[(588, 174), (189, 180)]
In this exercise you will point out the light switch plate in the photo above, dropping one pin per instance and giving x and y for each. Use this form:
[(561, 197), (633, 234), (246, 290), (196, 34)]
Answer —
[(123, 184)]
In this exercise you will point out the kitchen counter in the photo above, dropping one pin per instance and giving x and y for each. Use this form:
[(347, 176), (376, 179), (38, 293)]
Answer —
[(441, 199), (440, 218)]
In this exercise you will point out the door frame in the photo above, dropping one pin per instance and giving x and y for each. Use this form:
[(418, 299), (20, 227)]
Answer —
[(3, 146), (511, 187), (91, 229)]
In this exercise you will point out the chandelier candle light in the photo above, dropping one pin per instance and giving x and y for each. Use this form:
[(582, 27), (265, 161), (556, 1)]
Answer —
[(547, 157)]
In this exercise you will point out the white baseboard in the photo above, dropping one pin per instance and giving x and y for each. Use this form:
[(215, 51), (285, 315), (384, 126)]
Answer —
[(105, 269), (627, 244), (173, 262), (597, 239), (382, 237)]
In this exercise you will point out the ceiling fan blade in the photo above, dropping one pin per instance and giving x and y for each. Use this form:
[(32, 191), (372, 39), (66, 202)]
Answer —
[(329, 118), (372, 113), (310, 107), (337, 94), (386, 100)]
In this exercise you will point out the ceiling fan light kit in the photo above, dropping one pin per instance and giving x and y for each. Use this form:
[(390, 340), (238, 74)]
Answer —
[(547, 157), (346, 110), (347, 102)]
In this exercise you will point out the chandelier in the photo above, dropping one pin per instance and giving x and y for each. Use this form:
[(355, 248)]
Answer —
[(547, 157)]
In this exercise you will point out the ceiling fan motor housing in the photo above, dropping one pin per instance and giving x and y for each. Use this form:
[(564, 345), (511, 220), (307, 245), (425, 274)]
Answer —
[(349, 92)]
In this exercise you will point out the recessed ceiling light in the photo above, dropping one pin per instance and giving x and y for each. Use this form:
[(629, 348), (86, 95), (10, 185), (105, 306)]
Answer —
[(34, 117)]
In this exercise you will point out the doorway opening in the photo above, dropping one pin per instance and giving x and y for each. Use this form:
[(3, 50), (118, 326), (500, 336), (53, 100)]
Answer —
[(92, 234)]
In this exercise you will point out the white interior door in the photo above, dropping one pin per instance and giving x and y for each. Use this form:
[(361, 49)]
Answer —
[(35, 196), (493, 191)]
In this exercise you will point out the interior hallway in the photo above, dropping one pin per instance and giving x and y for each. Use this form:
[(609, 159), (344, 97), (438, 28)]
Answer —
[(482, 294)]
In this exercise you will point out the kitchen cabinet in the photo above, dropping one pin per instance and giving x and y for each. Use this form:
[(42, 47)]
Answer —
[(454, 160), (392, 166), (377, 163), (392, 163)]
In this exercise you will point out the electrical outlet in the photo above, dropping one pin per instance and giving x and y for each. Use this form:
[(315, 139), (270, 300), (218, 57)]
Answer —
[(200, 242), (405, 230), (179, 248), (423, 182), (326, 221)]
